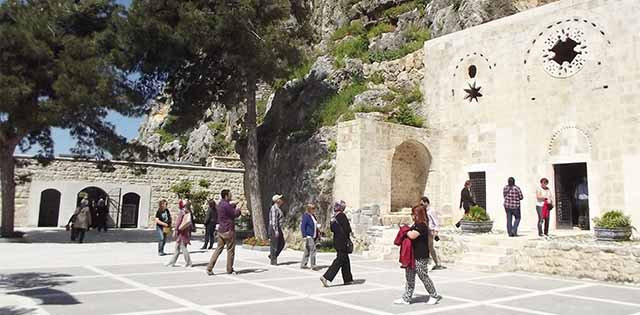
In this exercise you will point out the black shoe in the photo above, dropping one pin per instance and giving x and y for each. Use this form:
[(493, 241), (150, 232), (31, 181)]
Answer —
[(210, 247), (203, 247), (458, 225), (438, 267)]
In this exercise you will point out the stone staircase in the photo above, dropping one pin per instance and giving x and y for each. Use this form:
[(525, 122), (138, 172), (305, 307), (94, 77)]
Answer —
[(484, 252)]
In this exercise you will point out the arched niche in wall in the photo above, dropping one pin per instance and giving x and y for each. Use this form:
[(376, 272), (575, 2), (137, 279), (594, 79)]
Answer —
[(409, 172)]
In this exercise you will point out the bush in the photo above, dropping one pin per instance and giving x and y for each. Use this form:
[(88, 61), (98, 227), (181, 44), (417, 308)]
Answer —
[(337, 105), (204, 183), (326, 246), (198, 199), (613, 219), (253, 241), (333, 146), (405, 115), (379, 29), (377, 77), (415, 40), (477, 214), (356, 47), (355, 28), (165, 136), (396, 11)]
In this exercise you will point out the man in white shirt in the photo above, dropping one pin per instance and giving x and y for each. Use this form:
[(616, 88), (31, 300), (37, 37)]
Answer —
[(432, 217)]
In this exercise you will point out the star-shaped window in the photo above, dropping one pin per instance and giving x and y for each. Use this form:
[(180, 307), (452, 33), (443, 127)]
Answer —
[(473, 92), (565, 51)]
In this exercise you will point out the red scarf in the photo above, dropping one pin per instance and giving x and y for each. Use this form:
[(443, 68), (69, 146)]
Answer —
[(545, 210)]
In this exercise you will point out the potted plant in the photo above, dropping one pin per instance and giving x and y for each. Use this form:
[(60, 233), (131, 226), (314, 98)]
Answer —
[(476, 221), (613, 226)]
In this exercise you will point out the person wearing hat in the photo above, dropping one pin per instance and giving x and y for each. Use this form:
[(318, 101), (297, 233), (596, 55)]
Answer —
[(275, 229)]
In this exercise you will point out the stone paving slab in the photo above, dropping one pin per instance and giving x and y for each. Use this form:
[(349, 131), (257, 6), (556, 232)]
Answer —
[(630, 295), (223, 294), (476, 292), (530, 282), (110, 303), (571, 306), (293, 307)]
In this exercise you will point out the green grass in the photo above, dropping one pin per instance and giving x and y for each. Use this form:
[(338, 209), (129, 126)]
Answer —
[(356, 47), (377, 78), (415, 40), (379, 29), (165, 136), (405, 115), (333, 146), (355, 28), (337, 105), (394, 12)]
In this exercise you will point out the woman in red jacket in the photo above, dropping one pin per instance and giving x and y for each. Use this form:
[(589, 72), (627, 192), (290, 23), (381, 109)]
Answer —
[(419, 235)]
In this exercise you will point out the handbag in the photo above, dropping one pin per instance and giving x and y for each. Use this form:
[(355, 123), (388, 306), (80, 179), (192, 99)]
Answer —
[(167, 230)]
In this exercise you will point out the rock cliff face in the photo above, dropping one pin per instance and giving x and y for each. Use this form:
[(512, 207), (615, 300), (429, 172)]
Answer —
[(377, 57)]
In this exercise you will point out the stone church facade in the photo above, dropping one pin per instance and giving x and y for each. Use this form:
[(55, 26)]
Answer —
[(551, 92)]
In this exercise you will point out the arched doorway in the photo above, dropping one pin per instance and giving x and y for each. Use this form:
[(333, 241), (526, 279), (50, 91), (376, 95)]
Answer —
[(409, 172), (94, 195), (130, 206), (49, 208)]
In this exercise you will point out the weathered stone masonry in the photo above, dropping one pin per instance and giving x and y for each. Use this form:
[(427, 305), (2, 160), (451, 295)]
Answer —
[(152, 181)]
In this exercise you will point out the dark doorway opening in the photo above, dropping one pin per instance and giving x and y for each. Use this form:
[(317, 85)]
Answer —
[(479, 188), (572, 195), (94, 195), (49, 208), (130, 206)]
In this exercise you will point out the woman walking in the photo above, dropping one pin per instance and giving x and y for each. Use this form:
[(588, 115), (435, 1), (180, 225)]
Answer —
[(544, 204), (466, 199), (81, 221), (310, 234), (163, 225), (182, 234), (342, 242), (419, 236)]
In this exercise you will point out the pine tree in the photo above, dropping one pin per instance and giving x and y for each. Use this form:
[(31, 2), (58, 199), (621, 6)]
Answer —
[(58, 68), (201, 51)]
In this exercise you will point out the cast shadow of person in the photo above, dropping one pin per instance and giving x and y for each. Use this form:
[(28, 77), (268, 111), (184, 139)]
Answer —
[(37, 285)]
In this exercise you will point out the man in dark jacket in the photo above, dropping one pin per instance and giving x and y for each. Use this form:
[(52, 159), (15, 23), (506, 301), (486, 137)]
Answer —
[(210, 221), (467, 200)]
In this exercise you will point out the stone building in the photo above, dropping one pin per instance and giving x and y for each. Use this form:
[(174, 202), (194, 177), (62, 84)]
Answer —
[(46, 196), (550, 92)]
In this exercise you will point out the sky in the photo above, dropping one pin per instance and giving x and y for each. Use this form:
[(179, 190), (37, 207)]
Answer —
[(125, 126)]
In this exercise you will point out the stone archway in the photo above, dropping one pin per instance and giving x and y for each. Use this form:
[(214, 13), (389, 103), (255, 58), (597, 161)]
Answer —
[(130, 205), (409, 172), (94, 195)]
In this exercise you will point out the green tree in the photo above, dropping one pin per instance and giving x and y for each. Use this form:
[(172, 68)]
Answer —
[(58, 69), (203, 51)]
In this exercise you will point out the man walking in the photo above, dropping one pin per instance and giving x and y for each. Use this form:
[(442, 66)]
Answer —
[(227, 213), (275, 229), (512, 196), (210, 221), (434, 227)]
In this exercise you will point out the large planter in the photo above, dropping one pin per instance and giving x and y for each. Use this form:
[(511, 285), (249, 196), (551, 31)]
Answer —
[(614, 234), (476, 226)]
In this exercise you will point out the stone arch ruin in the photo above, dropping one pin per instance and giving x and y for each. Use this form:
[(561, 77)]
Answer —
[(409, 172)]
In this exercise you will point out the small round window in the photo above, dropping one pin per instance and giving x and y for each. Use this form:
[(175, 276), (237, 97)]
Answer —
[(472, 71)]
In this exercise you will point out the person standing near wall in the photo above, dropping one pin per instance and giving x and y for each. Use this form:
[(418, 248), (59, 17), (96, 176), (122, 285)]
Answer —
[(512, 197), (182, 235), (81, 221), (419, 235), (342, 242), (163, 225), (227, 213), (103, 213), (310, 233), (434, 227), (581, 196), (544, 204), (210, 222), (276, 219), (467, 199)]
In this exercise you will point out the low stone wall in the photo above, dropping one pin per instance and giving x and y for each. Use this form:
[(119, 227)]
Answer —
[(582, 258)]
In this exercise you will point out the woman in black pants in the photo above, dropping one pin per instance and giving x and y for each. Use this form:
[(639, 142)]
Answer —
[(341, 241), (467, 200)]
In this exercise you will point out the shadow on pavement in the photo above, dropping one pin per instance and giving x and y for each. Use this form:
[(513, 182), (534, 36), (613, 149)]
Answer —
[(251, 270), (287, 263), (60, 235), (38, 285), (16, 310)]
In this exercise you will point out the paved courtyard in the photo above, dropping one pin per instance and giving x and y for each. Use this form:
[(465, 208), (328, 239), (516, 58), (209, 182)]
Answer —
[(128, 279)]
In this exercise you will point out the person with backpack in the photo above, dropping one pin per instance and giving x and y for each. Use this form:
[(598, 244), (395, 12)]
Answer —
[(343, 245), (418, 233), (182, 235)]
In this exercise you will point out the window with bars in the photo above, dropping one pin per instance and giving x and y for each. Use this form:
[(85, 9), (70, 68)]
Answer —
[(479, 188)]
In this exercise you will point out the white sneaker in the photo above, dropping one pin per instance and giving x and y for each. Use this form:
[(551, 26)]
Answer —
[(400, 301), (434, 300), (169, 264)]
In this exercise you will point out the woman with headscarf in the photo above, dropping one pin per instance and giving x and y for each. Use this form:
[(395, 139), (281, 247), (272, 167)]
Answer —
[(419, 236), (343, 245), (182, 235), (81, 221)]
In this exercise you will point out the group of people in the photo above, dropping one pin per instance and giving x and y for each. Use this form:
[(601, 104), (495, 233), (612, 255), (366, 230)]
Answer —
[(512, 198), (87, 215)]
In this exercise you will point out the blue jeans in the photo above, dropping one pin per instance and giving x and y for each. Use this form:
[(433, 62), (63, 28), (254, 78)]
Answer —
[(512, 226), (162, 239)]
